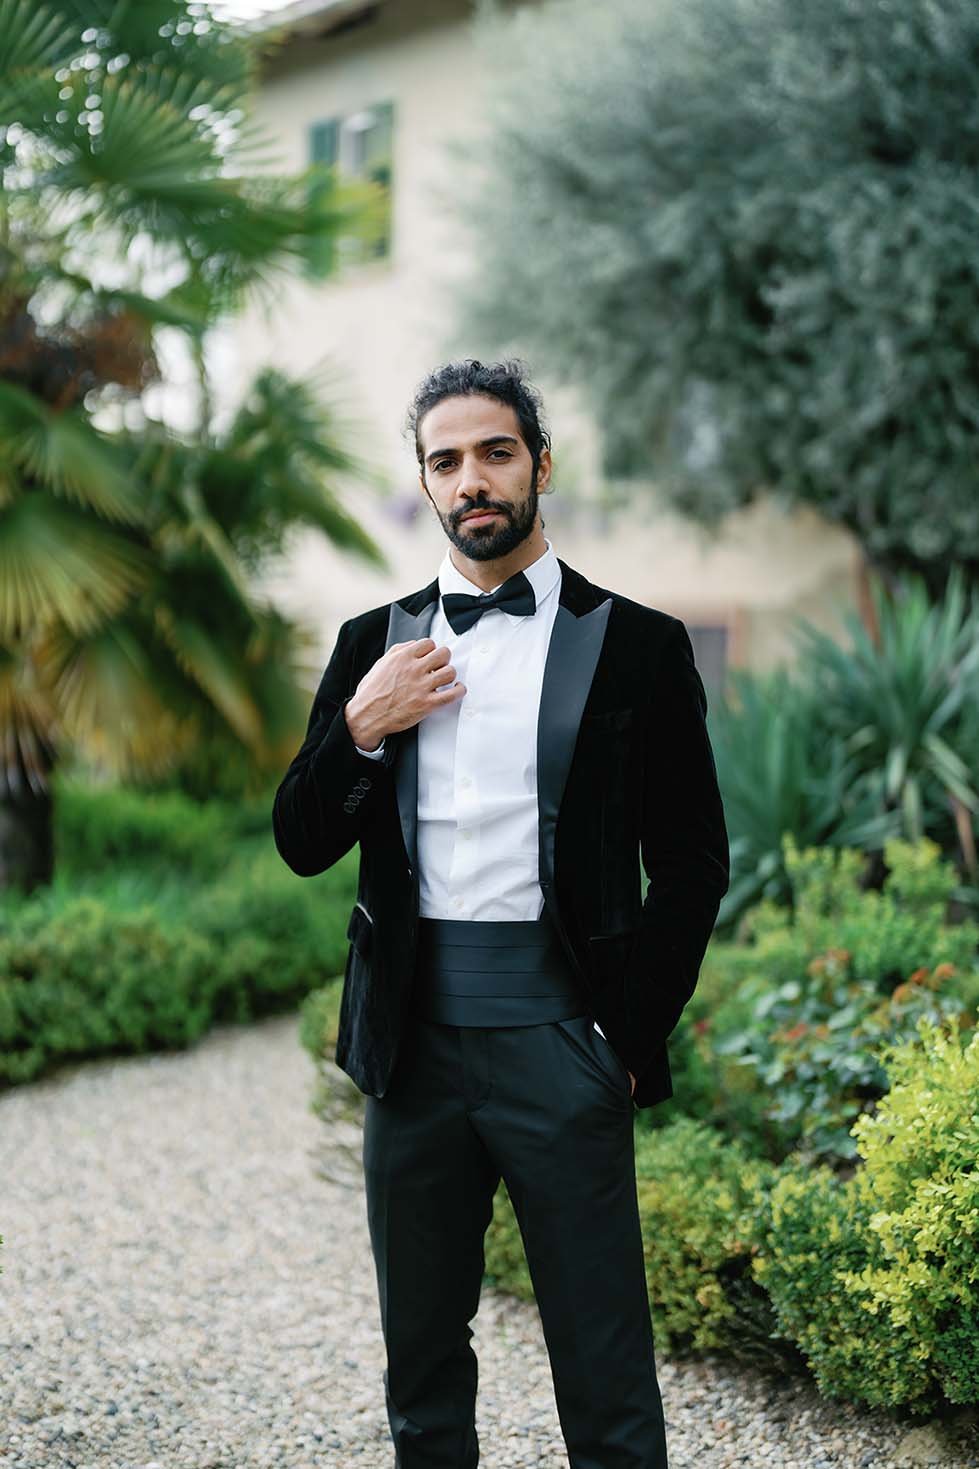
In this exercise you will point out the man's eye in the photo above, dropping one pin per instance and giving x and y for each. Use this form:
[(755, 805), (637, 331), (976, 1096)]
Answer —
[(443, 462)]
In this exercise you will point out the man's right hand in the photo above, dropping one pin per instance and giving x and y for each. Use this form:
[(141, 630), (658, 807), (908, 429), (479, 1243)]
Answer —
[(403, 686)]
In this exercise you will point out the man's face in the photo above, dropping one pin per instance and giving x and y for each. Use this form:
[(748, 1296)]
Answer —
[(475, 459)]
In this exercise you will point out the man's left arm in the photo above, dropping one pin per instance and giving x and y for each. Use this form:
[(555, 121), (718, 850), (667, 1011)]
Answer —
[(684, 850)]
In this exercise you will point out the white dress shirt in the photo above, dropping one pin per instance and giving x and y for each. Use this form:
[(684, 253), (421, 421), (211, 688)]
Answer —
[(477, 759)]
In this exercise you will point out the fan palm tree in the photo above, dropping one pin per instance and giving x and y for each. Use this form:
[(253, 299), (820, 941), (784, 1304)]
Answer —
[(129, 628)]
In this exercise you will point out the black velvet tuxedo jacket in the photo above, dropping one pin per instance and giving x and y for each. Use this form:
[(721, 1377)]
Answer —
[(625, 774)]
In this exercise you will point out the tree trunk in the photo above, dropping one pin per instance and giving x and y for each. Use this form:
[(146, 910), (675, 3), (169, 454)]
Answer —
[(26, 831)]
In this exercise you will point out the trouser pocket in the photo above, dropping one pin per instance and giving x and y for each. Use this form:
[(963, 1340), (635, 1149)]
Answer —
[(595, 1049)]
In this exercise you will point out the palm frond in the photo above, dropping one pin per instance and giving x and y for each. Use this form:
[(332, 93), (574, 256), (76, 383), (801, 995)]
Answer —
[(200, 654), (115, 698), (34, 41), (67, 454), (57, 563), (211, 536), (143, 147)]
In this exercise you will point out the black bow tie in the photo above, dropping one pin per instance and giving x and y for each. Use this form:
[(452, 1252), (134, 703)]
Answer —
[(515, 595)]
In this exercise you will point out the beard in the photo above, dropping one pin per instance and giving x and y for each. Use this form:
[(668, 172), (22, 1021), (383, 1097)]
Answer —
[(497, 538)]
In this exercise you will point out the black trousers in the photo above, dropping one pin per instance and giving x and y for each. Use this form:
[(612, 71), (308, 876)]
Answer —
[(547, 1107)]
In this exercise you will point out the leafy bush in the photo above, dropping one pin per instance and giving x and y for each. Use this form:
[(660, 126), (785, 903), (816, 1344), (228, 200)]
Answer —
[(88, 981), (877, 1278), (98, 828), (846, 969), (698, 1202), (274, 936), (707, 1084), (319, 1018), (83, 976)]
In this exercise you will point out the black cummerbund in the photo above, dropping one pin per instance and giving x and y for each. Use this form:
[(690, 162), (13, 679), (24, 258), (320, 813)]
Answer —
[(493, 972)]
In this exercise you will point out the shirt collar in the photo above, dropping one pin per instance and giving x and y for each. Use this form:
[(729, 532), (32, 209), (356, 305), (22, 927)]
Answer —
[(543, 574)]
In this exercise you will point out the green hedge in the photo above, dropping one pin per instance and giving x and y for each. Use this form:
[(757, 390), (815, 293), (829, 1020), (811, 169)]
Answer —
[(86, 981), (84, 975), (101, 828)]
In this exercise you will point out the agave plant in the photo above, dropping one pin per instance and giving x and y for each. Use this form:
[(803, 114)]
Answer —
[(131, 201), (780, 774), (902, 698)]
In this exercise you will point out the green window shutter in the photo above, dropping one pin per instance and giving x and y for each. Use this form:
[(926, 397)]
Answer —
[(378, 151), (324, 139)]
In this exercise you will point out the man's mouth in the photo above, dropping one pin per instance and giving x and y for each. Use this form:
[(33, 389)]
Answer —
[(475, 517)]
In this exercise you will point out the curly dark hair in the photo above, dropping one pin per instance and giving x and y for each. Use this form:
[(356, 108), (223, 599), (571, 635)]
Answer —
[(505, 381)]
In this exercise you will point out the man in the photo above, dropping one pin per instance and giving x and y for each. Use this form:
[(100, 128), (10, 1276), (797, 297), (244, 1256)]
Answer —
[(506, 745)]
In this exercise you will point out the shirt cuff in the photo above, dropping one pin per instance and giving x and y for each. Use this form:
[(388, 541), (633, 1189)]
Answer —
[(377, 754)]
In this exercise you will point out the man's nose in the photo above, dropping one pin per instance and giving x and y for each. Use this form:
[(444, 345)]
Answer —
[(472, 480)]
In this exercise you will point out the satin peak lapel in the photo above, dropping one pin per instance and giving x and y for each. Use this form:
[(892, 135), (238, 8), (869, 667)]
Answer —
[(572, 656), (403, 627)]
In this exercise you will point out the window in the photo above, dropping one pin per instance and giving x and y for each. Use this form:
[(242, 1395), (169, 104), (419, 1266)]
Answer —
[(719, 636), (710, 652), (355, 147)]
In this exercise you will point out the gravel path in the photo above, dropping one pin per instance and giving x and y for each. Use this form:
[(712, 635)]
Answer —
[(188, 1282)]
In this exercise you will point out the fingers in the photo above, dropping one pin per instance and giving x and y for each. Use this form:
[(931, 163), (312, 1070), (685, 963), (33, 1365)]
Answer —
[(426, 651), (434, 660), (446, 696)]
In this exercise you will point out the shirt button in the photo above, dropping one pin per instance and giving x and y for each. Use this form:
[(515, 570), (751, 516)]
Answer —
[(466, 836), (457, 902), (465, 781)]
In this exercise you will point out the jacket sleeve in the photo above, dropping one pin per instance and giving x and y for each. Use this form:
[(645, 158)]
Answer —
[(685, 855), (330, 791)]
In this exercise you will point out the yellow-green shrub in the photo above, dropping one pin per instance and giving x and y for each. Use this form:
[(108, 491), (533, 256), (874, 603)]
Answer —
[(699, 1202), (877, 1278)]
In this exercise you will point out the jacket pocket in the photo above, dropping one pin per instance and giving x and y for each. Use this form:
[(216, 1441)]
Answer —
[(360, 929), (609, 953)]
